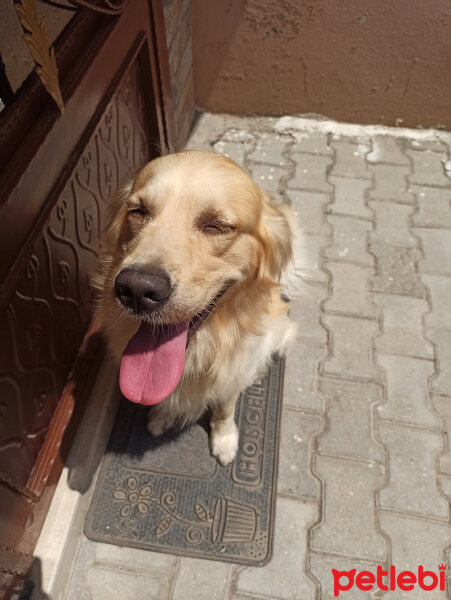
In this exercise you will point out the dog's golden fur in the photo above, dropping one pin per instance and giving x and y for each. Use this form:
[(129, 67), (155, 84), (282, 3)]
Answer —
[(200, 216)]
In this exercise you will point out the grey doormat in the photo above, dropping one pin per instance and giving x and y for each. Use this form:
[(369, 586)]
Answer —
[(170, 495)]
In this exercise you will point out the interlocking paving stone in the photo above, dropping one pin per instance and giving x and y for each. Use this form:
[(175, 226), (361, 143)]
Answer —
[(305, 310), (349, 240), (269, 149), (321, 568), (351, 290), (309, 208), (347, 525), (442, 405), (201, 580), (441, 382), (351, 353), (415, 542), (313, 143), (283, 578), (440, 296), (387, 149), (301, 366), (433, 146), (349, 431), (294, 475), (238, 136), (391, 183), (395, 271), (310, 173), (101, 582), (101, 573), (350, 160), (412, 486), (350, 197), (351, 138), (312, 249), (428, 168), (407, 390), (444, 484), (437, 250), (392, 224), (269, 178), (246, 597), (207, 130), (233, 150), (434, 207), (402, 326), (132, 558)]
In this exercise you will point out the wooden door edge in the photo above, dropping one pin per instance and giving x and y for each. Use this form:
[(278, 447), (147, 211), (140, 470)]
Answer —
[(69, 411), (162, 53)]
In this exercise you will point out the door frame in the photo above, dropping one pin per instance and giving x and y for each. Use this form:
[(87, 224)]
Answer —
[(87, 85)]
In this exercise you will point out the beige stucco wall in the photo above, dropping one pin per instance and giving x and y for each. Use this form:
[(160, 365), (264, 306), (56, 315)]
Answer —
[(364, 61)]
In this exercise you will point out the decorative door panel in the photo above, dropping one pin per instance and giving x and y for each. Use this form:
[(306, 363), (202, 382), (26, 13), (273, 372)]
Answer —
[(49, 313), (46, 296)]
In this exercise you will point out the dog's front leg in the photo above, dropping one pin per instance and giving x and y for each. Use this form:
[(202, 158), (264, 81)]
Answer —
[(160, 418), (224, 432)]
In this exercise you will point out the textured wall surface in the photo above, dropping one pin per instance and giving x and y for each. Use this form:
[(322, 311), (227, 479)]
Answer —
[(177, 15), (359, 61)]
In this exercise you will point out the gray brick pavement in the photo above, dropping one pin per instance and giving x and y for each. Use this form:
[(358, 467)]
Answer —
[(351, 294), (350, 437), (402, 326), (428, 168), (437, 250), (433, 207), (350, 240), (365, 456), (407, 394), (350, 159), (348, 512), (387, 149), (270, 149), (397, 270), (390, 183), (310, 172), (312, 143), (350, 197)]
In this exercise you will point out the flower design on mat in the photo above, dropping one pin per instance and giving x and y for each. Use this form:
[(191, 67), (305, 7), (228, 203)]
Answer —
[(133, 497)]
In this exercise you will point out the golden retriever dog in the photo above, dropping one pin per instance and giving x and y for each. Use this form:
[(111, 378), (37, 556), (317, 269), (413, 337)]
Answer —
[(189, 290)]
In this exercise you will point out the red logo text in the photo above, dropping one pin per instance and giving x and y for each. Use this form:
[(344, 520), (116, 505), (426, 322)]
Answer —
[(389, 580)]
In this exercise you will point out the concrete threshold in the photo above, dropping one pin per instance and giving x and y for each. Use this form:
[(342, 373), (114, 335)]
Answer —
[(58, 543)]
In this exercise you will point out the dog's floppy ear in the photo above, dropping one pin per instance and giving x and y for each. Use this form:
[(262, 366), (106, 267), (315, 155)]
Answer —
[(275, 233)]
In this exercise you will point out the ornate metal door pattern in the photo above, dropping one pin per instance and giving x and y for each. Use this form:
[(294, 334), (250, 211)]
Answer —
[(46, 298)]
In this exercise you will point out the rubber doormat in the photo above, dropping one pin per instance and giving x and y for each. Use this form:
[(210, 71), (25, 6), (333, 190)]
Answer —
[(170, 495)]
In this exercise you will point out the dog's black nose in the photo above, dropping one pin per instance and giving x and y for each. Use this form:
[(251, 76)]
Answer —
[(142, 289)]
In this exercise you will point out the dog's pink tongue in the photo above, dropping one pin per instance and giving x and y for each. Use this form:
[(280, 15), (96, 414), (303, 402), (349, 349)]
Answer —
[(153, 363)]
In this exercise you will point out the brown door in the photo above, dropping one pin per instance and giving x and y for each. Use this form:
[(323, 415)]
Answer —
[(57, 175)]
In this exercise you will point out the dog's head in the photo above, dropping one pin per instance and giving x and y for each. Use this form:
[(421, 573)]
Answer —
[(192, 230)]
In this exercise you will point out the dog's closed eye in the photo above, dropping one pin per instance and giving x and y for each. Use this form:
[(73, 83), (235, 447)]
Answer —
[(218, 228), (213, 223), (137, 209)]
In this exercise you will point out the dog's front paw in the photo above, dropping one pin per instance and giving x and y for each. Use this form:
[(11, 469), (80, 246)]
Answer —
[(224, 444), (158, 423)]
